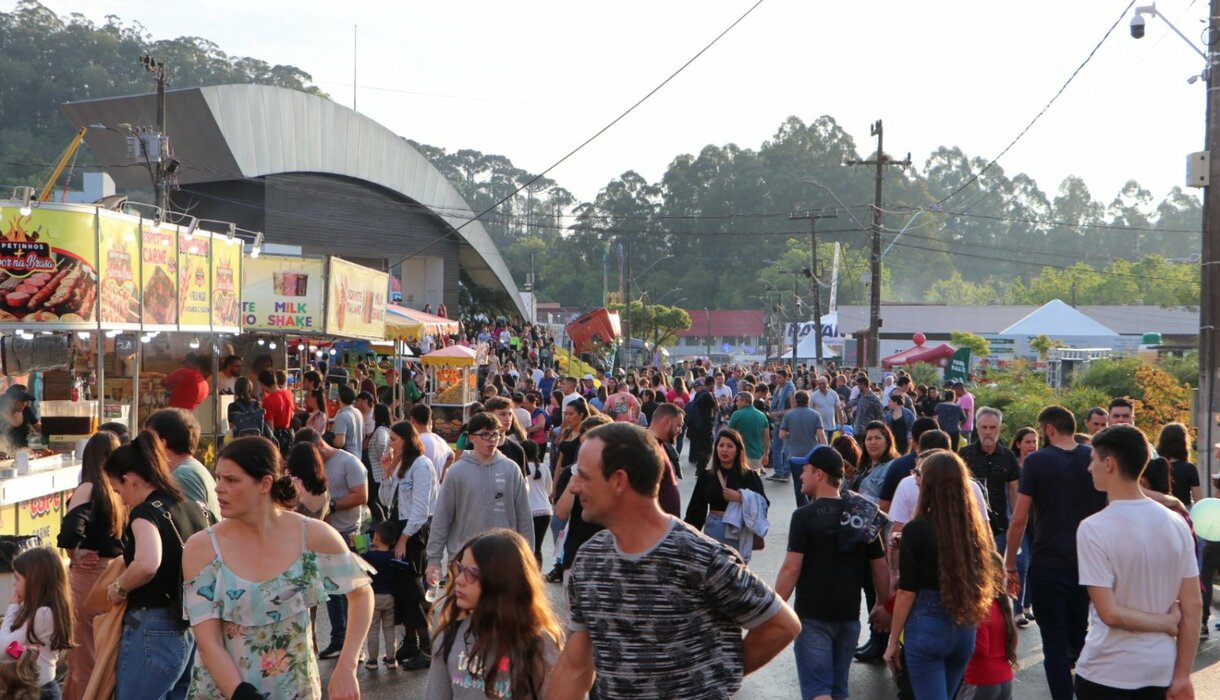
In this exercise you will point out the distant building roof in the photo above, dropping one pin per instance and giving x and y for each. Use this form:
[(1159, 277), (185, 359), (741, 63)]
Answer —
[(725, 322), (938, 319), (1055, 318)]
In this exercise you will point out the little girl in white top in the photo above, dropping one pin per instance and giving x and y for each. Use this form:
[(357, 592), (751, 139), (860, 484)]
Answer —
[(39, 615)]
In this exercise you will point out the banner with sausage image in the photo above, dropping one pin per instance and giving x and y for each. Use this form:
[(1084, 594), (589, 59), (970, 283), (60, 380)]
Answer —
[(226, 285), (48, 266), (159, 265)]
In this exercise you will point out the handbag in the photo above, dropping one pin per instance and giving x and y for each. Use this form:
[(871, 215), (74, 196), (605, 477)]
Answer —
[(97, 602)]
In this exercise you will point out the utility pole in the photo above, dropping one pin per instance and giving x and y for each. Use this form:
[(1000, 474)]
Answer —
[(1209, 303), (874, 291), (796, 306), (814, 275), (160, 152), (627, 305)]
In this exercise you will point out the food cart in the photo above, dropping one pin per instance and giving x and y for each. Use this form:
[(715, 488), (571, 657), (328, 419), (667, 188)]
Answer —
[(454, 387), (83, 292)]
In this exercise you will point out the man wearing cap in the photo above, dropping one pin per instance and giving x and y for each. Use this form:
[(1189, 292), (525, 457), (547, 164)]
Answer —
[(19, 415), (587, 389), (828, 578)]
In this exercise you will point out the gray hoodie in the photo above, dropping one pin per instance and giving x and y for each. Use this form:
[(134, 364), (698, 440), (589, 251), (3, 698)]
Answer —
[(476, 497)]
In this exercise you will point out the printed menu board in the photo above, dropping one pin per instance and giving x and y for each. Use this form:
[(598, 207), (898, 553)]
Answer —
[(194, 282), (119, 269), (282, 293), (355, 300), (48, 266), (159, 255), (226, 285)]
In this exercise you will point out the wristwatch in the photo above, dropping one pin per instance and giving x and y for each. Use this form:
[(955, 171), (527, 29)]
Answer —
[(118, 589)]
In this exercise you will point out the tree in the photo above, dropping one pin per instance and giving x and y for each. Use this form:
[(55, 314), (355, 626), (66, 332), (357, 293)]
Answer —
[(979, 347), (1042, 345), (655, 323)]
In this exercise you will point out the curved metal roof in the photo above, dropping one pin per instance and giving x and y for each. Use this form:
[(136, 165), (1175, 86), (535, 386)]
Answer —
[(227, 132)]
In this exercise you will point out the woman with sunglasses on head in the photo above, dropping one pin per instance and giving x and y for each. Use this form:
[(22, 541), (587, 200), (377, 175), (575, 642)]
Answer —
[(496, 635)]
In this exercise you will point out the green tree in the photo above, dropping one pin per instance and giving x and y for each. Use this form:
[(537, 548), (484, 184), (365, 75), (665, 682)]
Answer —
[(979, 347), (1042, 345)]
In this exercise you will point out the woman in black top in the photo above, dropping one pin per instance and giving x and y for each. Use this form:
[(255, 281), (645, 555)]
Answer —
[(566, 448), (157, 646), (91, 533), (946, 580), (722, 482)]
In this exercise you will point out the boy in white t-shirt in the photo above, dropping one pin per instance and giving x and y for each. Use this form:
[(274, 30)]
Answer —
[(1137, 559)]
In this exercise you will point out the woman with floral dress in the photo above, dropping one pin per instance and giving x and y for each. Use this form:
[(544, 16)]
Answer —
[(251, 580)]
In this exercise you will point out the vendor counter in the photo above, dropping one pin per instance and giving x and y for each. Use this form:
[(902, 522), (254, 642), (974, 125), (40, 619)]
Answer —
[(35, 503)]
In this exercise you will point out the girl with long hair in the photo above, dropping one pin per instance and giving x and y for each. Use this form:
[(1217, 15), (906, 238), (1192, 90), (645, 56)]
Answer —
[(92, 533), (156, 644), (251, 580), (878, 453), (496, 631), (946, 580), (409, 489), (315, 404), (40, 614), (1173, 447), (720, 483), (567, 445)]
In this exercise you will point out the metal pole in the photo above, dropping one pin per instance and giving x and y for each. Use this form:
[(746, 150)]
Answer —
[(796, 324), (1209, 303), (817, 289), (874, 290)]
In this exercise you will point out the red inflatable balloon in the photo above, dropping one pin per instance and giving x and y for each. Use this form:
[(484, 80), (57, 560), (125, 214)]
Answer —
[(920, 338)]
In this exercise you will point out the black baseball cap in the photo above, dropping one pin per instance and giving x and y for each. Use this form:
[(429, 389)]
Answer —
[(821, 457), (18, 392)]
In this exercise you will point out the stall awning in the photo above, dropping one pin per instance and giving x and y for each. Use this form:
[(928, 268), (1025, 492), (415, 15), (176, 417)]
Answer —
[(453, 356), (402, 323), (937, 356)]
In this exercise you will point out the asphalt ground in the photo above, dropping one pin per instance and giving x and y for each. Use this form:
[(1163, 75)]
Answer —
[(777, 680)]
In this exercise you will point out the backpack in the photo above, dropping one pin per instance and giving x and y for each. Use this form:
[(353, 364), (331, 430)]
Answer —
[(248, 421)]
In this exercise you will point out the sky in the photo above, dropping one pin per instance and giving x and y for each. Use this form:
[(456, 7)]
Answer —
[(532, 80)]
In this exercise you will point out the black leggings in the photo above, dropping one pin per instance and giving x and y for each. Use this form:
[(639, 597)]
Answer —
[(542, 525), (1088, 690)]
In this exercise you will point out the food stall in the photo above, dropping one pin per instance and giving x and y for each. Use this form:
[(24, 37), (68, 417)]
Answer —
[(83, 292), (454, 387)]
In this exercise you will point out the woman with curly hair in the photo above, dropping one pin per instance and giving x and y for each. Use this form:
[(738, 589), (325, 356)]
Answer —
[(496, 635), (946, 580)]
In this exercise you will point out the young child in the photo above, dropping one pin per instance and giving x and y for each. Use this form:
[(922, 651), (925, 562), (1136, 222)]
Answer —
[(539, 482), (19, 673), (381, 557), (990, 673), (39, 616), (494, 585)]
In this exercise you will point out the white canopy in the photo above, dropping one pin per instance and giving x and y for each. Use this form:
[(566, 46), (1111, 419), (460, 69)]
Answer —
[(1055, 318)]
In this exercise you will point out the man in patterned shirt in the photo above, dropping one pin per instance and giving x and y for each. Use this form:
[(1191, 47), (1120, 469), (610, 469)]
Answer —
[(657, 608)]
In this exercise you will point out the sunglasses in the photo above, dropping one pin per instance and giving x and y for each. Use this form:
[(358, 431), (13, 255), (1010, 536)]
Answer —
[(465, 574)]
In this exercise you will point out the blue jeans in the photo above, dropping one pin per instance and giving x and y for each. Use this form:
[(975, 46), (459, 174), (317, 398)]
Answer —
[(336, 609), (156, 653), (779, 459), (823, 656), (50, 691), (936, 650), (801, 499), (1062, 605), (1023, 600)]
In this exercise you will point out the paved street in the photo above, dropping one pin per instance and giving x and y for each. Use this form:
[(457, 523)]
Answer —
[(777, 681)]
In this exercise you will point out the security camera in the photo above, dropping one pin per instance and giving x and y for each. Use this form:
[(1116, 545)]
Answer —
[(1137, 26)]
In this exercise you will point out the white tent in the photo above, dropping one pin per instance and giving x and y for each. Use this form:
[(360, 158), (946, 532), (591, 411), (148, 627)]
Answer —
[(807, 349), (1057, 320)]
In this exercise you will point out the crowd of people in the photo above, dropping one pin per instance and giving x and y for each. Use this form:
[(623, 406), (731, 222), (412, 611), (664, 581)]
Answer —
[(185, 581)]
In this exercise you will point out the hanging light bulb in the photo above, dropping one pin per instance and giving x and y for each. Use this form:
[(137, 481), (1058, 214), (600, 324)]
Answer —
[(261, 341), (27, 194), (272, 346), (83, 335), (146, 339), (300, 347), (194, 343), (334, 352)]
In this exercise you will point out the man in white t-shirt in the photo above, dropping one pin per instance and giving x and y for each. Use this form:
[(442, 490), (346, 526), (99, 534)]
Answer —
[(1137, 559), (906, 496), (435, 447), (571, 391)]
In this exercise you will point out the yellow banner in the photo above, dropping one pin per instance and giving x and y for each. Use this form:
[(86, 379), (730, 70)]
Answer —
[(355, 300), (194, 282), (159, 252), (283, 293), (48, 266), (226, 285), (119, 268)]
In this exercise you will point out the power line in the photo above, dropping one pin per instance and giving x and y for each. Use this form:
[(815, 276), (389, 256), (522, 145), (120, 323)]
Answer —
[(974, 178)]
